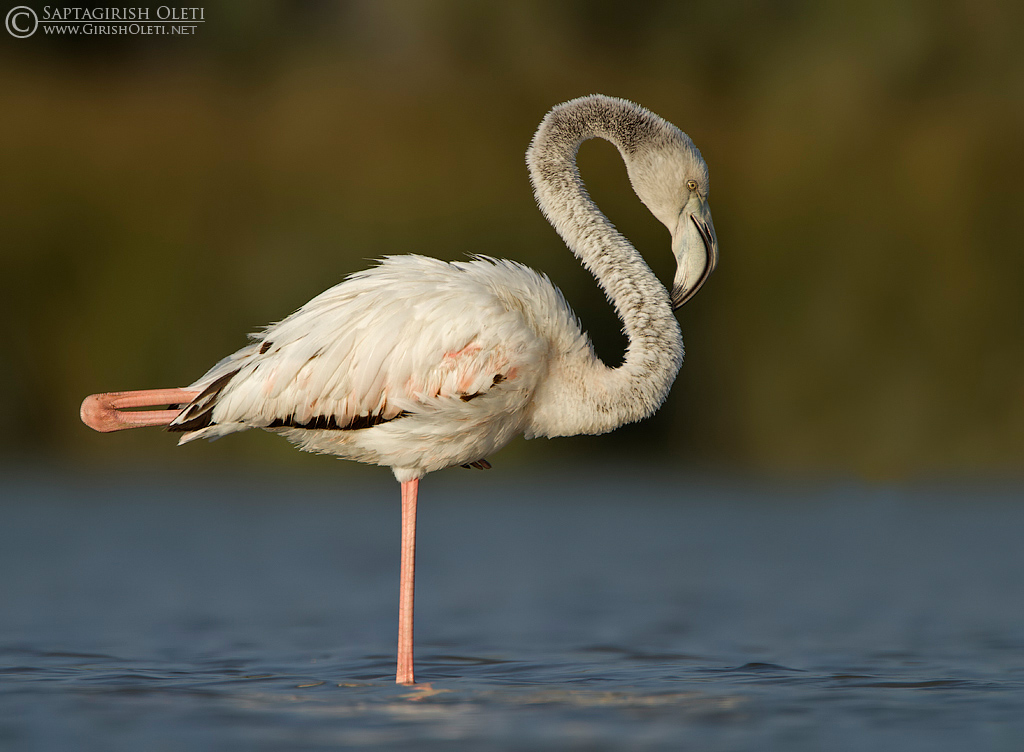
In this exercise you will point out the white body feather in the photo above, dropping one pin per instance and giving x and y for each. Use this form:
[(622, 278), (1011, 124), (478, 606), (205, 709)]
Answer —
[(456, 349)]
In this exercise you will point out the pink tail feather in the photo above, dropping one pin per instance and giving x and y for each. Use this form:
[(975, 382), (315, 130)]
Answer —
[(110, 411)]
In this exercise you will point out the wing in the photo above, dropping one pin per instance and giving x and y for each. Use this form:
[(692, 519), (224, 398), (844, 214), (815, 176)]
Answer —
[(407, 336)]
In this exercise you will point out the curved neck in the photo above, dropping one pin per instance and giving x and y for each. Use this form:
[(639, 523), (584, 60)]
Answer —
[(655, 351)]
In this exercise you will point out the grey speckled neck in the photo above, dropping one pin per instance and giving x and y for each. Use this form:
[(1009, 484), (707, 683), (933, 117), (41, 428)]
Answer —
[(655, 352)]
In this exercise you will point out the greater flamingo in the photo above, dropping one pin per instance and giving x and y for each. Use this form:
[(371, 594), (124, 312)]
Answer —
[(419, 364)]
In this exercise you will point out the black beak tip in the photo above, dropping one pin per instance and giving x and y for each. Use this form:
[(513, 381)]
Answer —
[(679, 297)]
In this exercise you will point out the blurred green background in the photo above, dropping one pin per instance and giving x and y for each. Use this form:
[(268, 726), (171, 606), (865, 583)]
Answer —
[(162, 196)]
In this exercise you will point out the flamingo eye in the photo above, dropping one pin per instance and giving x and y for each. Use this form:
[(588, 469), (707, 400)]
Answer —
[(691, 184)]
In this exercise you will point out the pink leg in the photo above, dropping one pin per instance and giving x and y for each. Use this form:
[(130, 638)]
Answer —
[(408, 579), (103, 412)]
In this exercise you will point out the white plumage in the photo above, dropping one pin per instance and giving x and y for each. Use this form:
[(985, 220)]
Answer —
[(419, 364), (443, 355)]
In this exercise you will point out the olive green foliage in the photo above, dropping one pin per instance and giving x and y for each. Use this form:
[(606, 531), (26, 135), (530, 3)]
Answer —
[(161, 197)]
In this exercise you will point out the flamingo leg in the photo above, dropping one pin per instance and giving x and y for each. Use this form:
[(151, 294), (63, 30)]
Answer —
[(407, 584), (105, 412)]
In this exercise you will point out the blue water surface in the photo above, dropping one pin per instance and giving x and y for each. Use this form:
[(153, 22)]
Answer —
[(638, 611)]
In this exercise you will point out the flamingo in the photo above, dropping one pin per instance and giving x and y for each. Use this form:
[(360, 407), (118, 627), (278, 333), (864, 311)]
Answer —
[(419, 364)]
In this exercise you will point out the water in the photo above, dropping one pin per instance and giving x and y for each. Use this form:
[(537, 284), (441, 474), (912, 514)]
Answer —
[(660, 613)]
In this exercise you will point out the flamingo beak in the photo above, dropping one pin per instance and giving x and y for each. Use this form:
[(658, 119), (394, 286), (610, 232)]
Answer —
[(695, 246)]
